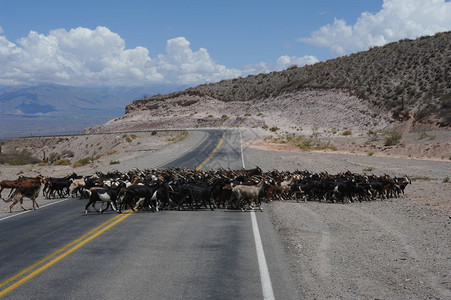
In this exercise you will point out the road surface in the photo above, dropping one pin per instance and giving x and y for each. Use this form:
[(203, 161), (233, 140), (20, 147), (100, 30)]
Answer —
[(57, 252)]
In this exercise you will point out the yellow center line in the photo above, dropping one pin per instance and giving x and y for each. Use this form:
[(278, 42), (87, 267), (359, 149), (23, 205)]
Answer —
[(212, 153), (83, 240)]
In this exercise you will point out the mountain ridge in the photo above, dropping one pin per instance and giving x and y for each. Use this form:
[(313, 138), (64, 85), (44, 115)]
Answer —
[(406, 79)]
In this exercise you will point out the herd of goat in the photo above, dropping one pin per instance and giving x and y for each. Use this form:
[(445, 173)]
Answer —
[(181, 189)]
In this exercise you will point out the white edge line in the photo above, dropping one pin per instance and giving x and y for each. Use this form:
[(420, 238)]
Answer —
[(265, 279), (27, 211), (267, 290), (241, 147)]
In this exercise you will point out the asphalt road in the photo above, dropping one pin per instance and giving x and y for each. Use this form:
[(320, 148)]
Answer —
[(57, 252)]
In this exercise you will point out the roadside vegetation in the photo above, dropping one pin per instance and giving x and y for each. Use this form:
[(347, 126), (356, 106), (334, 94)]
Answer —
[(302, 142), (18, 158)]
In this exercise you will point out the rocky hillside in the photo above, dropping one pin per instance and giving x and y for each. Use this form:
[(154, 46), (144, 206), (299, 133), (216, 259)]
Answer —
[(408, 79)]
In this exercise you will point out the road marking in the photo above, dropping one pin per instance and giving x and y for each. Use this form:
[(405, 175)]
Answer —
[(212, 153), (62, 252), (241, 149), (265, 279), (27, 211)]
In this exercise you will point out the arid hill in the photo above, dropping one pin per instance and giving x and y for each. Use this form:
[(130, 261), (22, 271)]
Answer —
[(408, 79)]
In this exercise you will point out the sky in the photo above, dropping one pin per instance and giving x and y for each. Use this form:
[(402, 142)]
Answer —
[(191, 42)]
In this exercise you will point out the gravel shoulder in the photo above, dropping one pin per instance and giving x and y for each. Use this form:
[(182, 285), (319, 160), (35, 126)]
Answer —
[(392, 249)]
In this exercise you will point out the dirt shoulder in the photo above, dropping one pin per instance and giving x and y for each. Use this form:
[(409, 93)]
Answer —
[(391, 249)]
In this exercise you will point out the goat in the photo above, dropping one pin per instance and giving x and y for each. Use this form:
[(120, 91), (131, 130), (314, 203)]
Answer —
[(29, 192), (55, 186), (108, 195), (77, 185), (249, 192), (21, 182)]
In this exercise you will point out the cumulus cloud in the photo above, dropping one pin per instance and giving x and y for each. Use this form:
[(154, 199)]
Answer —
[(282, 63), (183, 65), (82, 56), (398, 19)]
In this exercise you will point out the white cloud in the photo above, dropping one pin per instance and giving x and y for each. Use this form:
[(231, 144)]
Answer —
[(82, 56), (286, 61), (183, 65), (282, 63), (398, 19)]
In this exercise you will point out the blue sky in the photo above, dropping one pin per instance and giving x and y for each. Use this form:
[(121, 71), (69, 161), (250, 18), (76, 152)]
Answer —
[(139, 42)]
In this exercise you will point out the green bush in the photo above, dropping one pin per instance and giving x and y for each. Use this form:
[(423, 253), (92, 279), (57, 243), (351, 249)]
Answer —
[(82, 162), (62, 162), (54, 157), (346, 132), (16, 158), (393, 138), (68, 153)]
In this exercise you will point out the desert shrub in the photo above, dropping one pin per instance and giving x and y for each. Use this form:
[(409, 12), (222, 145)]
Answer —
[(274, 129), (68, 153), (154, 132), (346, 132), (423, 178), (303, 143), (62, 162), (326, 146), (424, 135), (306, 145), (224, 117), (372, 136), (133, 136), (393, 138), (17, 158), (179, 137), (114, 162), (446, 180), (54, 157), (82, 162)]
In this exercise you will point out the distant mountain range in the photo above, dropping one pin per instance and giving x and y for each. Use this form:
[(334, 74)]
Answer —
[(56, 109)]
